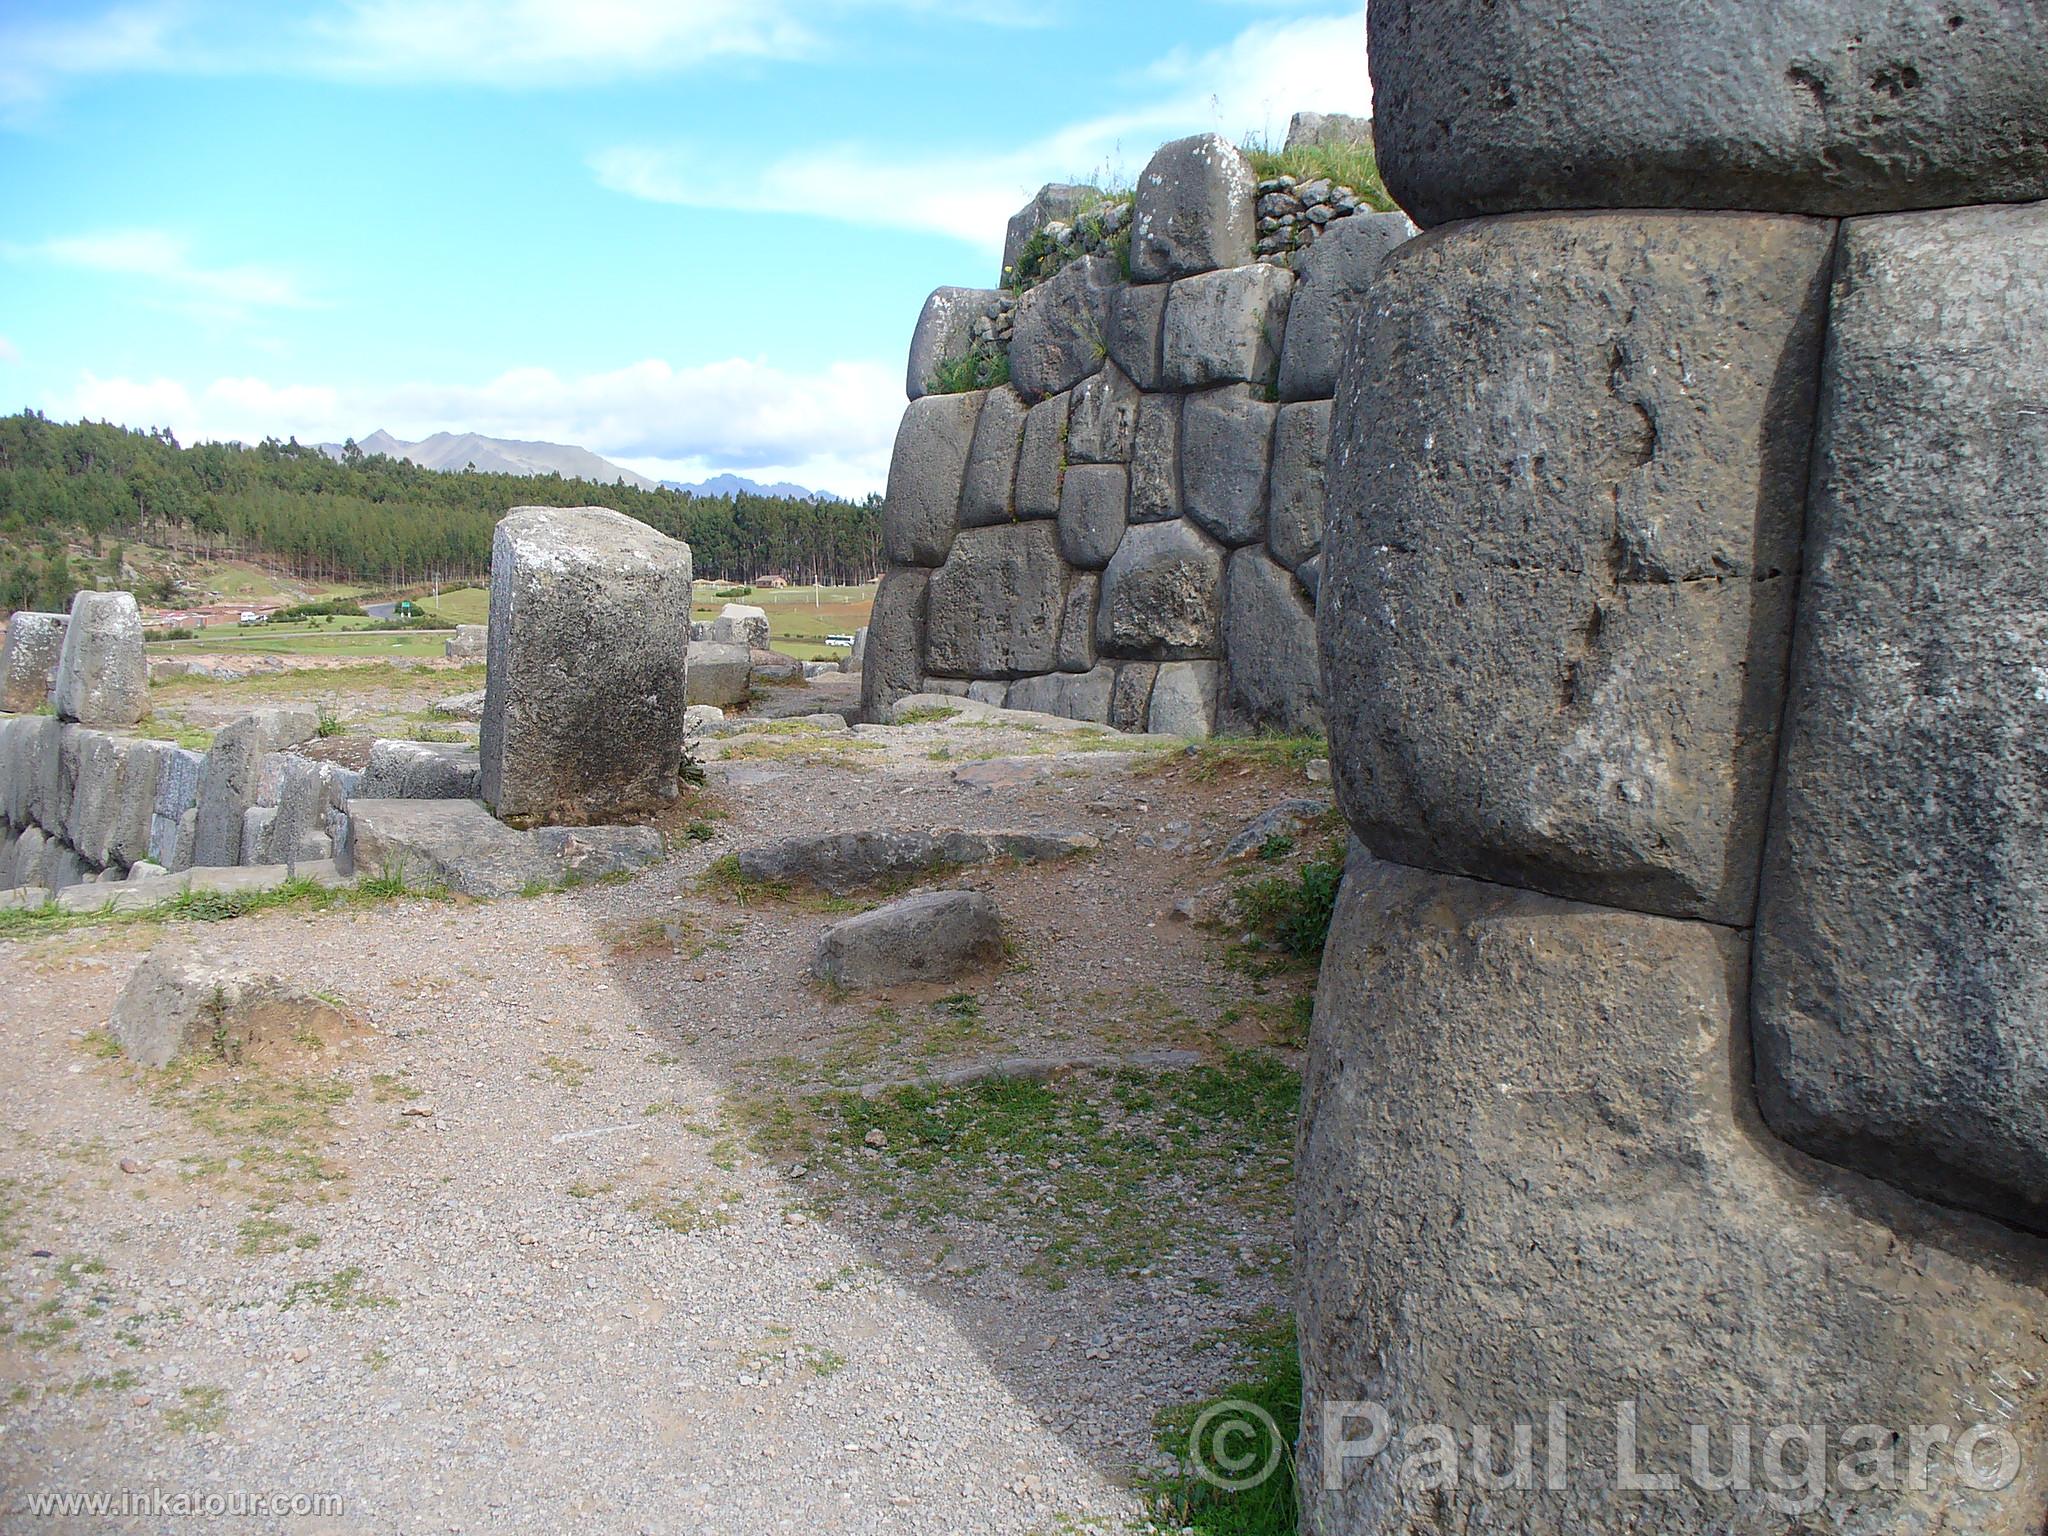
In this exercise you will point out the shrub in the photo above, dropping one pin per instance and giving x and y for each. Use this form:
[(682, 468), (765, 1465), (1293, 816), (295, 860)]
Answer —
[(986, 366), (1294, 914)]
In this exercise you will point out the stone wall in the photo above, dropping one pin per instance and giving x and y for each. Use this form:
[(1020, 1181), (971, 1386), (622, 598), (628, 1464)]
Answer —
[(1680, 1059), (1128, 530)]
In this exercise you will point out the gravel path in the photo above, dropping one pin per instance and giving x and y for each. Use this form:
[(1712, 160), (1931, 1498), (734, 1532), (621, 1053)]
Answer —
[(563, 1238)]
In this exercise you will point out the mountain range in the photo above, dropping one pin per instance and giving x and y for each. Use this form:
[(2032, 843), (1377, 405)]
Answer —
[(455, 452)]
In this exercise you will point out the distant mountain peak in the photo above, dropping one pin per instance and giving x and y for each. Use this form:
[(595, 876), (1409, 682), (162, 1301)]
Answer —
[(735, 485), (456, 452)]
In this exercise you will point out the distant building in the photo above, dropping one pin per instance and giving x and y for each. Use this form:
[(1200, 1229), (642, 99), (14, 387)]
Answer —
[(771, 581)]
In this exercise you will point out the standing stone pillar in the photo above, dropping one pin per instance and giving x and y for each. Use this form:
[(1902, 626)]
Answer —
[(28, 665), (102, 673), (1680, 615), (584, 690)]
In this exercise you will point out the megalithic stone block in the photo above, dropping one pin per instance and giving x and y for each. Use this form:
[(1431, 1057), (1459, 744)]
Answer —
[(584, 691), (28, 667), (1531, 1173), (921, 509), (1162, 595), (988, 493), (892, 667), (1226, 327), (944, 333), (1269, 649), (102, 674), (994, 608), (1058, 338), (1798, 106), (1042, 460), (1194, 210), (1336, 273), (1902, 936), (1567, 478)]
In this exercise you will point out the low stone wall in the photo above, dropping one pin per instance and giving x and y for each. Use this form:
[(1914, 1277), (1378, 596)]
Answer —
[(1129, 530)]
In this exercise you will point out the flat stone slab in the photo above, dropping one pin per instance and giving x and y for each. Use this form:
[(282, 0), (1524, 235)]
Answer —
[(460, 845), (847, 861), (932, 936), (421, 770)]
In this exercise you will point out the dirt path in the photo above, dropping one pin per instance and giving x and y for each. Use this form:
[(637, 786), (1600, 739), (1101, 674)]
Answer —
[(586, 1231)]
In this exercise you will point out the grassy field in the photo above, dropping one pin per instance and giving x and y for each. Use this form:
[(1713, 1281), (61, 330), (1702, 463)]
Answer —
[(799, 618), (324, 637)]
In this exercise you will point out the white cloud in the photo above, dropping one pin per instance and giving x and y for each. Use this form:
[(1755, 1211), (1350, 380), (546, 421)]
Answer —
[(832, 429), (508, 43), (164, 261), (1250, 86), (9, 352)]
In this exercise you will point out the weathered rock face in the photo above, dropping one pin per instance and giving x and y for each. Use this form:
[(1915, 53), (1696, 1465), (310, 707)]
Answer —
[(932, 936), (1530, 1173), (460, 846), (1162, 595), (921, 512), (102, 674), (1184, 699), (1226, 443), (1137, 321), (1042, 459), (944, 333), (422, 770), (228, 780), (1058, 340), (1094, 508), (1336, 272), (28, 666), (1155, 461), (1226, 327), (988, 493), (994, 607), (584, 692), (1269, 634), (178, 1004), (894, 663), (1294, 512), (1807, 106), (1194, 210), (1104, 419), (1566, 503), (1902, 941)]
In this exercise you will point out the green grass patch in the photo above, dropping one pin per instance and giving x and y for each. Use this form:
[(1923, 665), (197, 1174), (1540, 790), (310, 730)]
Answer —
[(1293, 912), (984, 366), (1247, 1428), (302, 894), (342, 1291), (198, 1411), (1356, 166)]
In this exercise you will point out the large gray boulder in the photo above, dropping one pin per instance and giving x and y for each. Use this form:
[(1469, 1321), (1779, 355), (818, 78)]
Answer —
[(993, 609), (1558, 580), (28, 665), (1295, 500), (1162, 595), (921, 511), (1104, 419), (1137, 322), (180, 1004), (229, 781), (102, 673), (740, 624), (1226, 327), (944, 333), (1336, 273), (1056, 201), (584, 692), (1226, 444), (1530, 1173), (1184, 701), (988, 490), (1902, 935), (718, 675), (1269, 646), (1058, 336), (1802, 106), (1042, 458), (893, 666), (1155, 460), (1094, 507), (1194, 210), (932, 936)]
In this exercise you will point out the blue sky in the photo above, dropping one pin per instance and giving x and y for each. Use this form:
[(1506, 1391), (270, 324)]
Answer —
[(690, 235)]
